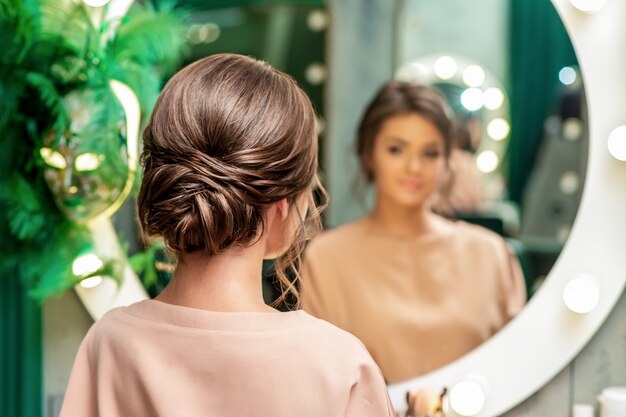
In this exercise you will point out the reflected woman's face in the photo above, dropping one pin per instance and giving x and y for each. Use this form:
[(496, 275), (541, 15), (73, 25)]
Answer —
[(86, 165), (408, 160)]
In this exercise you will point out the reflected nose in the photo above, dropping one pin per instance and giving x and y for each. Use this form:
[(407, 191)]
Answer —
[(415, 165)]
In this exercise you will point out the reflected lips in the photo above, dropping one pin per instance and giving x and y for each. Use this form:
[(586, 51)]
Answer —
[(411, 185)]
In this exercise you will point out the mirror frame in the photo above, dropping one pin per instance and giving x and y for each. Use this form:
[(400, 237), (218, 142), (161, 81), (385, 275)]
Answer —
[(546, 336), (593, 247)]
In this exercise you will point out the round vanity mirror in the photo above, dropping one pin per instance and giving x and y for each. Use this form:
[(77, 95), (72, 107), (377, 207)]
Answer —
[(589, 275), (512, 162)]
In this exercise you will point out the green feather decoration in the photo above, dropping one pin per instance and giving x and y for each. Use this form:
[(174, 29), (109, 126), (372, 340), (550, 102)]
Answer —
[(50, 49)]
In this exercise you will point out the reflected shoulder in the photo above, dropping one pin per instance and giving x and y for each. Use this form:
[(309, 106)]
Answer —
[(477, 233), (338, 238)]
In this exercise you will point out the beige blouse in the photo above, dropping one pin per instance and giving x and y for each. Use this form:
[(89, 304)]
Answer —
[(156, 359), (418, 303)]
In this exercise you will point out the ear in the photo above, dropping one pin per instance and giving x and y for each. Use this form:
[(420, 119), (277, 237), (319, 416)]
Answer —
[(282, 208)]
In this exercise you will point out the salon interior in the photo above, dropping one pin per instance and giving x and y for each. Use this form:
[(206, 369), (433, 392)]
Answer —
[(537, 93)]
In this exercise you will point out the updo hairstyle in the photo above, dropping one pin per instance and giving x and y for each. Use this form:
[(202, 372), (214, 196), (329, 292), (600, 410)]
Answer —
[(228, 137)]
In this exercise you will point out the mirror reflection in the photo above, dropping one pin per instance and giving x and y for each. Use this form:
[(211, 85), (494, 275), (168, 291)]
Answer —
[(418, 289), (491, 187)]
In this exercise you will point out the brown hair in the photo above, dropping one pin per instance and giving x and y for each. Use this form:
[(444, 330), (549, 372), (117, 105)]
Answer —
[(398, 98), (229, 136)]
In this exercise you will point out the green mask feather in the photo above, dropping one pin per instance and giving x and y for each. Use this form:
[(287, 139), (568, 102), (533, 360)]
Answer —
[(50, 50)]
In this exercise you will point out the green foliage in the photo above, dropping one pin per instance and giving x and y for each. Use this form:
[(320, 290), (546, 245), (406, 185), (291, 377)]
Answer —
[(49, 49), (143, 263)]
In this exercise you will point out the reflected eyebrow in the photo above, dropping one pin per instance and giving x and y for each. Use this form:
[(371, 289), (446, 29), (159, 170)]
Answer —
[(432, 143), (396, 139)]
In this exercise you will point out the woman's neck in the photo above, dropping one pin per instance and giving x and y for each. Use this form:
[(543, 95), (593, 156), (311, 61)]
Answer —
[(230, 281), (405, 222)]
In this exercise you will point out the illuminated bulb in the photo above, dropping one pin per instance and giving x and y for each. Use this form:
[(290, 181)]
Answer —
[(472, 99), (487, 161), (498, 129), (493, 98), (317, 20), (96, 3), (567, 75), (321, 125), (617, 143), (316, 73), (53, 158), (91, 282), (582, 293), (413, 72), (563, 233), (418, 71), (86, 264), (572, 129), (87, 162), (588, 6), (467, 398), (552, 125), (445, 67), (569, 183), (473, 76)]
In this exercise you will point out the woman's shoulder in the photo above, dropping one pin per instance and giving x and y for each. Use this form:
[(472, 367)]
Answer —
[(329, 340), (111, 322), (478, 236), (340, 237)]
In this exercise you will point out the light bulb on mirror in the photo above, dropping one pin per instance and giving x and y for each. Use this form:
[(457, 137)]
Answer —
[(567, 75), (467, 398), (572, 129), (487, 161), (417, 72), (582, 293), (318, 20), (445, 67), (86, 264), (498, 129), (493, 98), (91, 282), (472, 99), (569, 183), (617, 143), (473, 76), (316, 73)]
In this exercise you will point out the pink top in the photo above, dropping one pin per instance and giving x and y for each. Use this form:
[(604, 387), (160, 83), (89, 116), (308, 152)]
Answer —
[(416, 303), (156, 359)]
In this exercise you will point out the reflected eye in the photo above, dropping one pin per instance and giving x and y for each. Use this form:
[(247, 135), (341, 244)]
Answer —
[(87, 162), (394, 150), (433, 154), (53, 158)]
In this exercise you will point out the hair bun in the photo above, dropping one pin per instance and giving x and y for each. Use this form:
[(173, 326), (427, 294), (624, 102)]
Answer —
[(199, 201)]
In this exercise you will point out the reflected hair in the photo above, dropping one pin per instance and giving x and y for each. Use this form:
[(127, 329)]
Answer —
[(228, 137), (397, 98)]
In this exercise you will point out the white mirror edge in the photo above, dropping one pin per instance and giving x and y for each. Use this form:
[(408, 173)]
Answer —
[(546, 336)]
